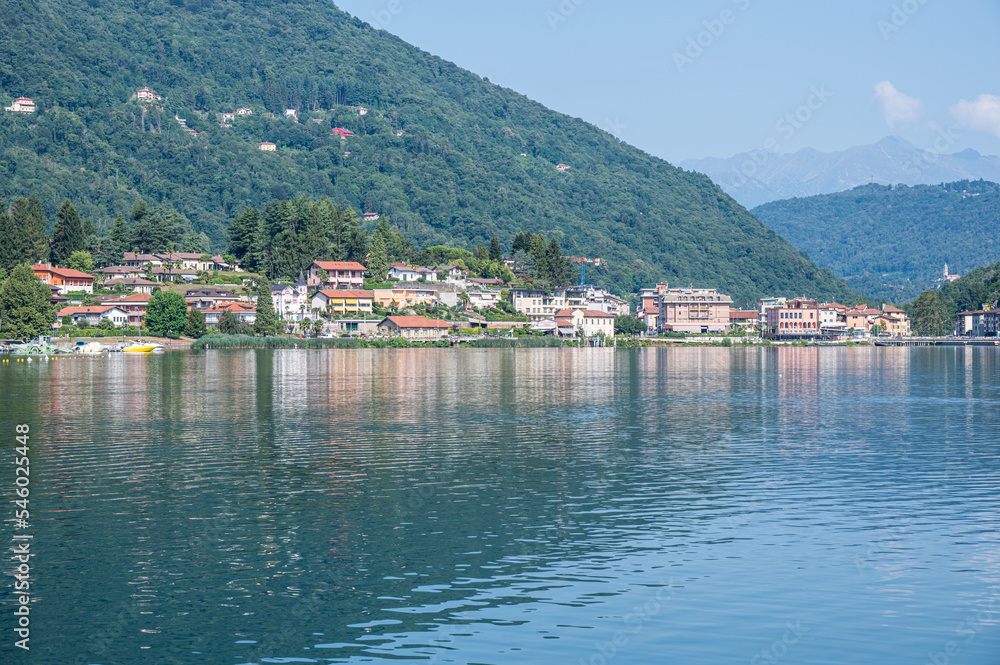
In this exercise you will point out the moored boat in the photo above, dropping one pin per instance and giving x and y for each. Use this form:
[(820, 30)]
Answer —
[(140, 347)]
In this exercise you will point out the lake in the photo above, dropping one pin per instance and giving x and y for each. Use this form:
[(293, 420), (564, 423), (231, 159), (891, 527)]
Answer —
[(596, 506)]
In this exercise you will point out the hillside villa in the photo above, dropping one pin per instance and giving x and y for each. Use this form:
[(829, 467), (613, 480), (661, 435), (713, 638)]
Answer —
[(22, 105)]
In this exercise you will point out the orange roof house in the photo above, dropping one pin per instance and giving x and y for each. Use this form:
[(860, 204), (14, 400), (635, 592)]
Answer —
[(339, 274), (66, 279)]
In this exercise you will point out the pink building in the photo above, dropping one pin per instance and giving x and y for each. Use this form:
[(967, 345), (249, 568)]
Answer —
[(798, 318)]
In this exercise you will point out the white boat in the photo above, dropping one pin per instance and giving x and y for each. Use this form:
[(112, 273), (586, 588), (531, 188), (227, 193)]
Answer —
[(89, 347)]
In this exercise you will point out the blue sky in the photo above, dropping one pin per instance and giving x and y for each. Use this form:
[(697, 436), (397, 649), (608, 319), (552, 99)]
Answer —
[(697, 79)]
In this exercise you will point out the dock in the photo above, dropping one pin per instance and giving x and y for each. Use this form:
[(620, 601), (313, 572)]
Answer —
[(938, 341)]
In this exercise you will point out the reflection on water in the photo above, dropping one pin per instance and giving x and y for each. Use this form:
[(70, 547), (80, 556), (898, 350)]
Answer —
[(808, 505)]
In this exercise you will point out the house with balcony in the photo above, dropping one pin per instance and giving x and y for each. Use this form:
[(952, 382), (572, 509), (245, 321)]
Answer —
[(691, 310), (147, 95), (134, 306), (339, 275), (291, 301), (537, 303), (267, 146), (65, 279), (244, 111), (414, 327), (136, 260), (405, 273), (404, 296), (343, 301)]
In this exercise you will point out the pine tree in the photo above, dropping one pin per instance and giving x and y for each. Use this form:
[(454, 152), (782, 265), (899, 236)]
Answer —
[(496, 253), (24, 305), (356, 239), (195, 324), (8, 253), (540, 252), (38, 235), (378, 265), (68, 236), (266, 322), (559, 270), (119, 242)]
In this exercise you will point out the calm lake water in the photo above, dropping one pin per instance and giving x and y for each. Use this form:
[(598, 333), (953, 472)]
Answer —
[(762, 505)]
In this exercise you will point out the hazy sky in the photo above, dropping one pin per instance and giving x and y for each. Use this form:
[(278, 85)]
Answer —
[(698, 79)]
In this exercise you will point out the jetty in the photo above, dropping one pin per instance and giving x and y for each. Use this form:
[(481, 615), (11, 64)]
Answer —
[(938, 341)]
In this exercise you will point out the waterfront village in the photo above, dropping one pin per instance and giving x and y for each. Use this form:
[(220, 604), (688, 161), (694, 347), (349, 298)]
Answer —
[(429, 302)]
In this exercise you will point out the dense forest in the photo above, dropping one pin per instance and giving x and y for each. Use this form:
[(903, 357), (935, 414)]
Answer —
[(448, 157), (893, 241)]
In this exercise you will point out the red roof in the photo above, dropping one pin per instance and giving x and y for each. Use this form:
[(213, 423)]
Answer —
[(330, 293), (591, 313), (743, 315), (339, 265), (137, 297), (417, 322), (92, 309), (892, 310), (62, 272), (235, 307)]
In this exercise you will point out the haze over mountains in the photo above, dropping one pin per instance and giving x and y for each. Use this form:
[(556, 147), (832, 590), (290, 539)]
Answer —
[(757, 177), (446, 156)]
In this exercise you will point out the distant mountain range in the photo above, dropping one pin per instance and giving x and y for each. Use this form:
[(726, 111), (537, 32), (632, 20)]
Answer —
[(893, 241), (756, 178)]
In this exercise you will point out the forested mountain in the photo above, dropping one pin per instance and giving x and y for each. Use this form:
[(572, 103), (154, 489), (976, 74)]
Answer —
[(892, 242), (447, 156), (758, 177)]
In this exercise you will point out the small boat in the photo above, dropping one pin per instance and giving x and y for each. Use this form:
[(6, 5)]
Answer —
[(89, 347), (140, 347)]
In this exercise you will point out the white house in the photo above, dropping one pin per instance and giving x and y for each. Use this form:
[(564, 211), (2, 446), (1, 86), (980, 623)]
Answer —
[(22, 105), (92, 315), (292, 303), (291, 113), (405, 273), (244, 111), (589, 322)]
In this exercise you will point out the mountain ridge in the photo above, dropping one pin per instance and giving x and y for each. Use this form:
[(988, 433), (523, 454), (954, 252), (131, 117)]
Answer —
[(756, 177)]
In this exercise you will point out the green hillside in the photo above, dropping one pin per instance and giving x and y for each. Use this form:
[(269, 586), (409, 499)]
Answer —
[(934, 311), (472, 160), (892, 242)]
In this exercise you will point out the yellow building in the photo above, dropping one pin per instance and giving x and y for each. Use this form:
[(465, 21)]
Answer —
[(404, 297), (267, 146), (343, 302)]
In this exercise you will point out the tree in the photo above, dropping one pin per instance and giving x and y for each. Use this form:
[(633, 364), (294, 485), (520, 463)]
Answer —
[(559, 269), (627, 325), (119, 242), (195, 324), (80, 260), (68, 235), (318, 325), (266, 322), (524, 264), (540, 253), (105, 324), (38, 236), (930, 315), (24, 305), (230, 324), (496, 253), (166, 314), (378, 264)]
